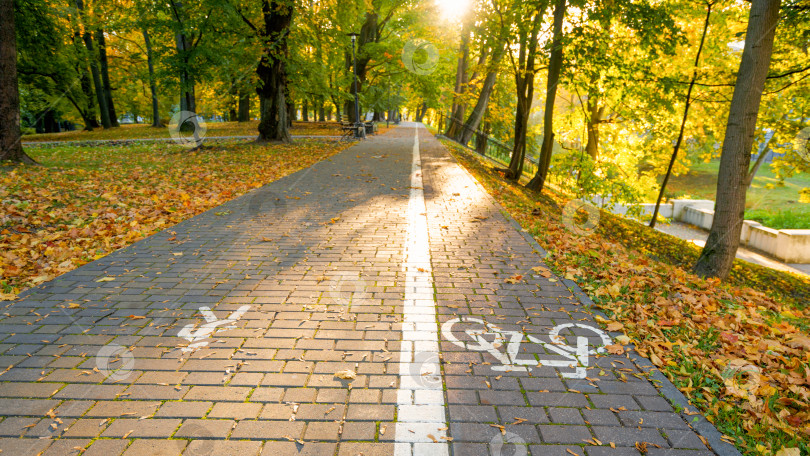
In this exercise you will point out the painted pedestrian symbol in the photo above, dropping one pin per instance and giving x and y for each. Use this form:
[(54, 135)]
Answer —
[(482, 336), (197, 338)]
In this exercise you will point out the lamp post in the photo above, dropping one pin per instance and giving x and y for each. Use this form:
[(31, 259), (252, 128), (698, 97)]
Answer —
[(359, 130)]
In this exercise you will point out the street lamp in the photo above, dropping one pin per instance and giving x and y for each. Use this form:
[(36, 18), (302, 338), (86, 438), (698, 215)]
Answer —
[(359, 128)]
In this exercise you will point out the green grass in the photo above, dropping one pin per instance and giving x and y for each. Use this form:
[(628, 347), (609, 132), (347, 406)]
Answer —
[(782, 220), (774, 204)]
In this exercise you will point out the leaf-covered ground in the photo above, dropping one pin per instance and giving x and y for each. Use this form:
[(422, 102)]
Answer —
[(87, 202), (739, 351), (214, 129)]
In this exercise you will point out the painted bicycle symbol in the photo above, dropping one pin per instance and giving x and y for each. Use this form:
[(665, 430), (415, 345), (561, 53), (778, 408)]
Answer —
[(482, 336), (198, 336)]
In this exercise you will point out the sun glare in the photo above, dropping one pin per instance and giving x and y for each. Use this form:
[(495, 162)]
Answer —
[(453, 9)]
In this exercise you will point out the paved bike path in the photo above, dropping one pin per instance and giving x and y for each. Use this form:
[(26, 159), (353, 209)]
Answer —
[(376, 303)]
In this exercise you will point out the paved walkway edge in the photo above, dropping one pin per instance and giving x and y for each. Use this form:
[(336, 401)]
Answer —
[(667, 389)]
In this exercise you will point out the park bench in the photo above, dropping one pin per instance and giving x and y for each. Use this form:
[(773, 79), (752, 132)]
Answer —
[(349, 129)]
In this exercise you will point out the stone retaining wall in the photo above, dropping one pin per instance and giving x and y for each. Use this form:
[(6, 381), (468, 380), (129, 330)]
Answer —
[(790, 246)]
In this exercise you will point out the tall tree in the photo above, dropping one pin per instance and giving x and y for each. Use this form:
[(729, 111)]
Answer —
[(524, 70), (105, 76), (10, 146), (459, 108), (686, 106), (554, 67), (185, 44), (87, 37), (277, 15), (718, 254), (152, 80), (497, 42)]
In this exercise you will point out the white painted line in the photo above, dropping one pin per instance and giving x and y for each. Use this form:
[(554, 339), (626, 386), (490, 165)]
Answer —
[(421, 418)]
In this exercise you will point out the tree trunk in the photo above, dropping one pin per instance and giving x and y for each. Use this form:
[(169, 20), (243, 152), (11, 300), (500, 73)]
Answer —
[(321, 111), (188, 101), (305, 110), (244, 106), (595, 113), (524, 85), (152, 83), (481, 140), (91, 56), (420, 112), (718, 254), (272, 72), (105, 76), (458, 109), (292, 113), (480, 108), (10, 146), (554, 67)]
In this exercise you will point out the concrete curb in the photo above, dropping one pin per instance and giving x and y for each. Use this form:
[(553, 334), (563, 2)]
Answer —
[(665, 387)]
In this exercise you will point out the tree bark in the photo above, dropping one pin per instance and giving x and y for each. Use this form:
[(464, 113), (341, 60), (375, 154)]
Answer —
[(595, 113), (718, 254), (272, 71), (105, 76), (91, 56), (152, 84), (188, 100), (480, 108), (305, 110), (524, 85), (244, 106), (458, 109), (369, 33), (321, 111), (420, 112), (10, 146), (554, 67)]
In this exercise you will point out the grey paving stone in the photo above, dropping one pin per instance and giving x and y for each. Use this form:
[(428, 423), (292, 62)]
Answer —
[(564, 434), (278, 250), (224, 448)]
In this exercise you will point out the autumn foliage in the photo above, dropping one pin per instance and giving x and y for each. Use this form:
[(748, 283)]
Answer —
[(89, 201), (739, 351)]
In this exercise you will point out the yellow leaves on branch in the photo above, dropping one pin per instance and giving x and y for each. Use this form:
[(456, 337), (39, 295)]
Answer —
[(89, 201)]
